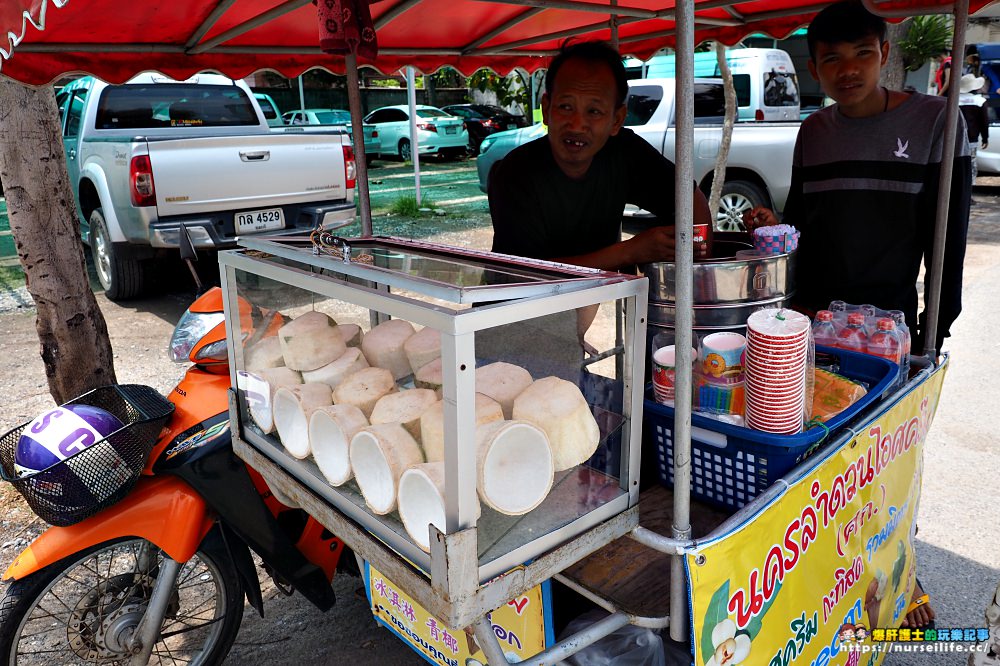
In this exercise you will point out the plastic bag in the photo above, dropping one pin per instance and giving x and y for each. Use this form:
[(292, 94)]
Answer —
[(628, 646), (833, 394)]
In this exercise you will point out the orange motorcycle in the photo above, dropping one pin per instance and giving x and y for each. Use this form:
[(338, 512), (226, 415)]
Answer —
[(158, 563)]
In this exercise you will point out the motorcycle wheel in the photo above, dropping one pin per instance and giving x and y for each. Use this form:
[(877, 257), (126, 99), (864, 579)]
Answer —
[(84, 608)]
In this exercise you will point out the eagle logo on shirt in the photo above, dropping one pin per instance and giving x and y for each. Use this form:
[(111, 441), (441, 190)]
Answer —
[(901, 148)]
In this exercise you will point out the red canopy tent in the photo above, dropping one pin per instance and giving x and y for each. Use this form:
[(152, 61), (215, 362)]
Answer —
[(112, 39), (45, 39)]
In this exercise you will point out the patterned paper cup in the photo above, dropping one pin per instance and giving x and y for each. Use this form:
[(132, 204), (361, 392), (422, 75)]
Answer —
[(772, 411), (664, 369), (756, 346), (775, 428), (723, 356)]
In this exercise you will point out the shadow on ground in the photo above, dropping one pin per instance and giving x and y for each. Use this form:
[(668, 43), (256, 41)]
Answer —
[(960, 589)]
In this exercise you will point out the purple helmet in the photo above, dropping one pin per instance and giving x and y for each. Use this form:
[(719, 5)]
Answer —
[(59, 433)]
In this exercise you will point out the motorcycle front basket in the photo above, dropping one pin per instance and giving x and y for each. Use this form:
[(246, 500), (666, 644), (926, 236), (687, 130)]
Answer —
[(103, 473)]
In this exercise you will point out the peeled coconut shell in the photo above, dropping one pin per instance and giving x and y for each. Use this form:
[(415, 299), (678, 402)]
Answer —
[(275, 378), (264, 354), (351, 334), (379, 456), (383, 347), (432, 424), (422, 347), (332, 374), (310, 341), (330, 431), (364, 388), (293, 405), (421, 502), (559, 408), (431, 376), (405, 408), (514, 465), (503, 382)]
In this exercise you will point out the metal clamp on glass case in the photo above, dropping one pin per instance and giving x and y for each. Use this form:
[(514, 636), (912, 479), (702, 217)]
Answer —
[(451, 415)]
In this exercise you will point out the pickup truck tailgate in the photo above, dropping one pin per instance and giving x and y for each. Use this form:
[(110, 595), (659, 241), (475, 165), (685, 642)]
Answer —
[(213, 174)]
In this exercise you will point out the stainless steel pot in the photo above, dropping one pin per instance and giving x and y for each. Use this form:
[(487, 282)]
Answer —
[(721, 316), (725, 279)]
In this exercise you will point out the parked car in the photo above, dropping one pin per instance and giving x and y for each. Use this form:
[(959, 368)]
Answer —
[(155, 158), (438, 133), (766, 84), (319, 119), (270, 110), (988, 159), (759, 168), (484, 119), (496, 146)]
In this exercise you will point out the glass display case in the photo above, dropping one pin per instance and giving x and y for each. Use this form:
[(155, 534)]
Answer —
[(409, 385)]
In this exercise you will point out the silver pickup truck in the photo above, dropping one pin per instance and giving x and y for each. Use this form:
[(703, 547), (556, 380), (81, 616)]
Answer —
[(154, 158), (759, 168)]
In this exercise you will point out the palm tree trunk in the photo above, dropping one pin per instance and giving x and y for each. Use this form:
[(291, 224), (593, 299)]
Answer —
[(719, 176), (894, 74), (74, 340)]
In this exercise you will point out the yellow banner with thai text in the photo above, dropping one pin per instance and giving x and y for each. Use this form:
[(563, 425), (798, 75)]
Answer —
[(807, 579), (520, 625)]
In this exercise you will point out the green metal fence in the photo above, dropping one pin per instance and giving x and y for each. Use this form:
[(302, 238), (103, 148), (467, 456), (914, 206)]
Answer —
[(8, 255)]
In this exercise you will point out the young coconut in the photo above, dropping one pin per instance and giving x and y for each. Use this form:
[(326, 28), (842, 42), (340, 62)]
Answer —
[(264, 354), (310, 341), (332, 374), (422, 347), (421, 502), (383, 346), (559, 408), (431, 376), (515, 466), (503, 382), (404, 408), (351, 334), (379, 456), (330, 431), (261, 412), (364, 388), (293, 405), (432, 424)]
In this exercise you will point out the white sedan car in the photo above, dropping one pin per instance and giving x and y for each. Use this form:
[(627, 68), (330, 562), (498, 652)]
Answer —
[(437, 132)]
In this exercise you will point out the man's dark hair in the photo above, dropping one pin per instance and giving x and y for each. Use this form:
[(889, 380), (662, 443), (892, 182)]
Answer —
[(841, 22), (593, 52)]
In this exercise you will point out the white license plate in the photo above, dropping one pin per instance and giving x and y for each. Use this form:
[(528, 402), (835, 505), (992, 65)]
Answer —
[(450, 130), (259, 220)]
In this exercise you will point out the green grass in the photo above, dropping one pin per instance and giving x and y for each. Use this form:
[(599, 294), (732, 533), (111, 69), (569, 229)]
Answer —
[(407, 206), (11, 278)]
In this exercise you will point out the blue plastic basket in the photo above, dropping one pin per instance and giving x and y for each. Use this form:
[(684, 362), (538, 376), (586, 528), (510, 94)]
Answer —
[(731, 465)]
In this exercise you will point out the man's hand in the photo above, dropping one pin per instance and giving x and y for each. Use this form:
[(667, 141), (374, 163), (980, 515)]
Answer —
[(656, 244), (759, 216), (985, 144)]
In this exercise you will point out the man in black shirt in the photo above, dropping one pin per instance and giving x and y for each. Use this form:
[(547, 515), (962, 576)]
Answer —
[(561, 196)]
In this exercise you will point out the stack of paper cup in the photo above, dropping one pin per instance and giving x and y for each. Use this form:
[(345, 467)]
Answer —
[(777, 347)]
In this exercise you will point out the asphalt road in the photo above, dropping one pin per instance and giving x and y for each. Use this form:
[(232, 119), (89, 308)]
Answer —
[(958, 545)]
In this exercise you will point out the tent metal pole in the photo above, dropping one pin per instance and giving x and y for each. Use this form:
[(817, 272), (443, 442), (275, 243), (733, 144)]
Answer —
[(411, 99), (933, 304), (614, 25), (247, 26), (357, 129), (684, 262)]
